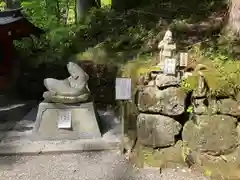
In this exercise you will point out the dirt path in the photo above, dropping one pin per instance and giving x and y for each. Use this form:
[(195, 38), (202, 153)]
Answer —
[(107, 165)]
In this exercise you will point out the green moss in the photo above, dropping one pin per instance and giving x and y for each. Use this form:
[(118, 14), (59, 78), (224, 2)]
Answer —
[(221, 77), (164, 157), (96, 53)]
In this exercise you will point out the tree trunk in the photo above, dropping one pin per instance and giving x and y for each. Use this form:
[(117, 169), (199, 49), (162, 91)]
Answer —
[(8, 4), (234, 17), (82, 7), (64, 11)]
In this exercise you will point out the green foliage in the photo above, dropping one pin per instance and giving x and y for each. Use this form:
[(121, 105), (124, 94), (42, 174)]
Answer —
[(190, 109), (190, 83), (104, 34), (2, 5), (49, 16), (109, 37), (223, 73), (106, 3)]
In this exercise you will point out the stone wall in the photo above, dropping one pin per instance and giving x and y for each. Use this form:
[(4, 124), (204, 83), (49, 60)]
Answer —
[(210, 132), (160, 103)]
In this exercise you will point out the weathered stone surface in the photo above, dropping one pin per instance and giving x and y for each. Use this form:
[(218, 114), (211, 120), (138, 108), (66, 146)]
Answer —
[(170, 101), (73, 89), (143, 80), (238, 96), (157, 130), (229, 107), (49, 97), (214, 135), (163, 80), (219, 167), (84, 121), (201, 90), (205, 106), (170, 157), (151, 83)]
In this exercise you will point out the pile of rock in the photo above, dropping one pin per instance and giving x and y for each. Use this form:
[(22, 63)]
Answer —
[(160, 103), (214, 126), (209, 136)]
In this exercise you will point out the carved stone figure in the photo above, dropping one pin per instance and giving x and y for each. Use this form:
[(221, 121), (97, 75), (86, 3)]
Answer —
[(166, 47), (73, 89)]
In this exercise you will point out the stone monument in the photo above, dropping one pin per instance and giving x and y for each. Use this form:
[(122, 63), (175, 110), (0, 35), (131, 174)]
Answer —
[(167, 48), (67, 111), (73, 89)]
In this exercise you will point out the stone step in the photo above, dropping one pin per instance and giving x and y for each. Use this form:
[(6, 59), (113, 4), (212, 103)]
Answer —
[(28, 147), (109, 125), (22, 139)]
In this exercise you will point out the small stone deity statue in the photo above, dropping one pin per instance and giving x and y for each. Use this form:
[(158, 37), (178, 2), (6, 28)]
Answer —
[(73, 89), (167, 47)]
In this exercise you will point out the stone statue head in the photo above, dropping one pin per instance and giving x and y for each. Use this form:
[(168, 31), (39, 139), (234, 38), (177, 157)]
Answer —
[(75, 71), (168, 36)]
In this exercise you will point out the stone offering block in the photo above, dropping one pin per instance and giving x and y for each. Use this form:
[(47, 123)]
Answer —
[(53, 117)]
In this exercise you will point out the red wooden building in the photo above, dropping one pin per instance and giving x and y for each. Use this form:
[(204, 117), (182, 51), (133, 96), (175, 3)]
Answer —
[(13, 26)]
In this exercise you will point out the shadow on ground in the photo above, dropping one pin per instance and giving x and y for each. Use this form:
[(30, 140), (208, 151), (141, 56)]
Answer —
[(11, 112)]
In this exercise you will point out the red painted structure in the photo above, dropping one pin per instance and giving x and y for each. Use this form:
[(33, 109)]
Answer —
[(13, 26)]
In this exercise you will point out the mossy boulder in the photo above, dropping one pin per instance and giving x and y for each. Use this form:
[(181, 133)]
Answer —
[(170, 101), (163, 80), (205, 106), (226, 106), (157, 130), (170, 157), (229, 107), (214, 135), (219, 167), (201, 90)]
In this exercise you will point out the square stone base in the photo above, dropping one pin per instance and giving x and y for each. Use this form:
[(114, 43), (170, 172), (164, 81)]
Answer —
[(84, 121)]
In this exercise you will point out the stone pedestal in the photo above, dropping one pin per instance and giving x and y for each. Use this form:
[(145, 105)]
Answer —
[(84, 121)]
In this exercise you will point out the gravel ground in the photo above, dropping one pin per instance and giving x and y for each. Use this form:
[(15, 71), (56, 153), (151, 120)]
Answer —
[(105, 165)]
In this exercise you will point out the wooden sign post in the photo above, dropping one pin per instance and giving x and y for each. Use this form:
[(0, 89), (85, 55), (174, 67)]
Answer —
[(123, 93)]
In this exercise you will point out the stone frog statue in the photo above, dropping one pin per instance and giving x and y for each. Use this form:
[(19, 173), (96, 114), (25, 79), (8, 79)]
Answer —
[(73, 89)]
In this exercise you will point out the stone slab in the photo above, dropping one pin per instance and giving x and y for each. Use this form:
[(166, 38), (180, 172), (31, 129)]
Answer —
[(84, 122), (28, 147)]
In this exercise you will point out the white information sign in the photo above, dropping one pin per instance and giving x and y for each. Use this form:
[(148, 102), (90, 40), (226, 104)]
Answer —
[(170, 66), (183, 59), (123, 88), (64, 119)]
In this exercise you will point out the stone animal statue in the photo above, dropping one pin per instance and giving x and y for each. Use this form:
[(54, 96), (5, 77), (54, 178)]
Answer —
[(73, 89)]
